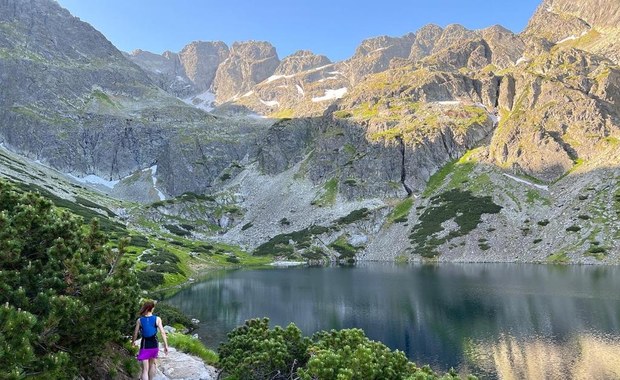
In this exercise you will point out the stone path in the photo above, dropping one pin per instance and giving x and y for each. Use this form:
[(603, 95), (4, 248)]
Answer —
[(181, 366)]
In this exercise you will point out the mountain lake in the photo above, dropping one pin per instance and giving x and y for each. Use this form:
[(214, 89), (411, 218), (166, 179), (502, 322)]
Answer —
[(508, 321)]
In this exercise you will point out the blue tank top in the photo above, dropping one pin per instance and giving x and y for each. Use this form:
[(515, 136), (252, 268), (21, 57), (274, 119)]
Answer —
[(149, 326)]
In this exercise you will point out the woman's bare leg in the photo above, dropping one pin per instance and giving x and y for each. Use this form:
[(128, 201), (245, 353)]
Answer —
[(152, 369), (145, 370)]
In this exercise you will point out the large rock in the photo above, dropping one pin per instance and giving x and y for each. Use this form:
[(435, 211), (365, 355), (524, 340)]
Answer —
[(249, 63)]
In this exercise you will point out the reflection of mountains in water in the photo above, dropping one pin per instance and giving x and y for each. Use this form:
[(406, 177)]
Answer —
[(587, 357), (434, 313)]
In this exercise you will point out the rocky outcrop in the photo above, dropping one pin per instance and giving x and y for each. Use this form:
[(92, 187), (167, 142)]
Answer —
[(249, 63), (591, 25), (539, 134), (73, 101), (201, 60), (187, 73), (374, 55), (300, 61), (505, 46), (165, 70), (425, 39)]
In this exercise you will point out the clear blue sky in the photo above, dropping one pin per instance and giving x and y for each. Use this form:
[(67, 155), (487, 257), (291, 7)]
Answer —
[(330, 27)]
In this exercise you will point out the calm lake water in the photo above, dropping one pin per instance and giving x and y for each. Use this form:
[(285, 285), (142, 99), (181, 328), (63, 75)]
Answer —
[(505, 321)]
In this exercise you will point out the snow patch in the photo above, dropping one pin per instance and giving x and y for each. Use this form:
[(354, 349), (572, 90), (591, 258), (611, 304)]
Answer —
[(379, 49), (180, 78), (270, 103), (521, 60), (331, 94), (543, 187), (300, 90), (153, 170), (276, 77), (204, 101), (92, 179), (328, 78), (569, 38), (320, 68)]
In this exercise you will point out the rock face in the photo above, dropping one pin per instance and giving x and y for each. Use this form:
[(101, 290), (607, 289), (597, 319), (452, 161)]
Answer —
[(591, 25), (374, 55), (300, 61), (425, 40), (200, 61), (165, 70), (249, 63), (73, 101), (539, 134), (186, 74)]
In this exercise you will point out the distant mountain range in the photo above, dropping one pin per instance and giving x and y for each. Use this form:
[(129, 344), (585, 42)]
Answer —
[(444, 144)]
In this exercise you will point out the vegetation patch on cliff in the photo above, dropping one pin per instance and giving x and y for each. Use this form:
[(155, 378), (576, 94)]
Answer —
[(401, 211), (461, 206)]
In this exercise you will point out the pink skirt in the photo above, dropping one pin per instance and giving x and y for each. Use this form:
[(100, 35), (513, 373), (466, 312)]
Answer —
[(147, 353)]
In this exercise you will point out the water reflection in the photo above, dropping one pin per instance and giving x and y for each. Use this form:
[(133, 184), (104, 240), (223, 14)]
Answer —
[(442, 315), (584, 357)]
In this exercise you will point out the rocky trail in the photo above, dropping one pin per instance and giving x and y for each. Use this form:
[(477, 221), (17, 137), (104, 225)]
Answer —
[(181, 366)]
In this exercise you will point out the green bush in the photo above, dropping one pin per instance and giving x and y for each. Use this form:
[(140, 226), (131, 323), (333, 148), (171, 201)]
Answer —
[(573, 228), (543, 222), (166, 268), (315, 253), (353, 217), (597, 249), (149, 279), (55, 274), (279, 244), (349, 354), (255, 352), (177, 230), (233, 259), (346, 250), (139, 241)]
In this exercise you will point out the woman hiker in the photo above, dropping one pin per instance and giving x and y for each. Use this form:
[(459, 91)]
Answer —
[(148, 324)]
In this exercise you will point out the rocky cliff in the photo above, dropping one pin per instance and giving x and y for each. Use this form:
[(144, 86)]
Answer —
[(248, 64), (73, 101), (591, 25)]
